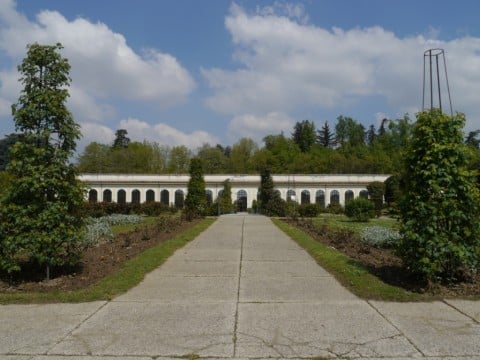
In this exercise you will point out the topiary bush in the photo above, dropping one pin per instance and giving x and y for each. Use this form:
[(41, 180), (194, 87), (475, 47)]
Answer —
[(335, 209), (360, 209)]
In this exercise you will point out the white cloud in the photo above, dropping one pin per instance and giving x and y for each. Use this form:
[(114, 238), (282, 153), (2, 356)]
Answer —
[(165, 134), (286, 64), (104, 67), (257, 127)]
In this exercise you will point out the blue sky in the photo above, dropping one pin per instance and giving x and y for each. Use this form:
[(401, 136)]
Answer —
[(189, 72)]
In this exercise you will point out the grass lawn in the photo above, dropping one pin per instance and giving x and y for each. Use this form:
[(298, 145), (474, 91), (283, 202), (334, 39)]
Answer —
[(342, 222)]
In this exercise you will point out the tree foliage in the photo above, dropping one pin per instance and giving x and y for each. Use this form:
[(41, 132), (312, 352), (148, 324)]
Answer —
[(325, 136), (376, 191), (196, 200), (441, 208), (40, 217), (270, 202), (359, 209), (304, 135)]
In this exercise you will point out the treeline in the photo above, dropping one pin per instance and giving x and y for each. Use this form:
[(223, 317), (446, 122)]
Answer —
[(346, 147), (340, 148)]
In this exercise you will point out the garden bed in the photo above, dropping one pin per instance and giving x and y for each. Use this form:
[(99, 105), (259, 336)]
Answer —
[(383, 263), (97, 261)]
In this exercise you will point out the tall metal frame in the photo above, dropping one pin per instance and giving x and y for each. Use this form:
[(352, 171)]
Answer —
[(432, 63)]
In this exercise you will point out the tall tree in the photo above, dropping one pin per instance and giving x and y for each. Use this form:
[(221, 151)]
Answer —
[(304, 134), (121, 139), (179, 160), (349, 132), (325, 136), (371, 135), (40, 217), (196, 200), (225, 200), (270, 202), (472, 139), (241, 156), (441, 209)]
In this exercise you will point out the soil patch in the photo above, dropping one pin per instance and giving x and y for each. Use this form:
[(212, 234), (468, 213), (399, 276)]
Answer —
[(383, 263), (96, 263)]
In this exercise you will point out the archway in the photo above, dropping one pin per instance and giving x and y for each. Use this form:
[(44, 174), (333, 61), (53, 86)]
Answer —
[(209, 195), (364, 194), (320, 198), (305, 197), (136, 196), (150, 196), (349, 196), (93, 196), (121, 197), (165, 197), (107, 195), (334, 197), (242, 201), (179, 198)]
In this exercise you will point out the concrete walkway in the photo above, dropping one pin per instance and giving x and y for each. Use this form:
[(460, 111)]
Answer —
[(242, 290)]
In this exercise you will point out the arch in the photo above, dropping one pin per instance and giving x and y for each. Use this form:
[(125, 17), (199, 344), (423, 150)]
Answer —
[(150, 196), (179, 198), (136, 196), (107, 195), (320, 198), (165, 197), (349, 196), (242, 201), (92, 196), (121, 196), (364, 194), (209, 195), (277, 193), (305, 197), (291, 195), (334, 197)]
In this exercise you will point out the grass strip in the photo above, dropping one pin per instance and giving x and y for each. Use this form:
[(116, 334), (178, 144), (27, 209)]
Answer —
[(347, 271), (131, 274)]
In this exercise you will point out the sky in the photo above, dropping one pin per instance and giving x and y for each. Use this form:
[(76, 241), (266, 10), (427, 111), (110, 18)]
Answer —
[(192, 72)]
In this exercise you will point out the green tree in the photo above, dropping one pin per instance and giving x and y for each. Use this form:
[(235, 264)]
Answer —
[(349, 132), (5, 145), (376, 191), (40, 217), (270, 202), (95, 159), (196, 200), (325, 136), (359, 209), (441, 208), (121, 139), (304, 135), (213, 158), (241, 156), (179, 160), (225, 200)]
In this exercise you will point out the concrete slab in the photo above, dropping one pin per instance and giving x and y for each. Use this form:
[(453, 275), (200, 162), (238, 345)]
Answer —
[(470, 308), (183, 289), (34, 329), (267, 269), (434, 328), (275, 254), (154, 329), (342, 329), (194, 254), (200, 268), (292, 289), (218, 243)]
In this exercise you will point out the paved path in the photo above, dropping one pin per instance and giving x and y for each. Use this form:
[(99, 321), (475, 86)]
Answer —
[(242, 290)]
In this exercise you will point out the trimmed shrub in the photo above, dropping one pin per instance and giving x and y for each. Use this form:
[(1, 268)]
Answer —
[(308, 210), (360, 210), (335, 209)]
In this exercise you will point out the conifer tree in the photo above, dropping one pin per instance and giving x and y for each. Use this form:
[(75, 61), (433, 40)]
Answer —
[(40, 217)]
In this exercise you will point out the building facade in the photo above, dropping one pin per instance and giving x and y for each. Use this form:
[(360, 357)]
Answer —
[(172, 189)]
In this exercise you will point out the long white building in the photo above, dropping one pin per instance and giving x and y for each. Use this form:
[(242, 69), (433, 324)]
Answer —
[(172, 189)]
